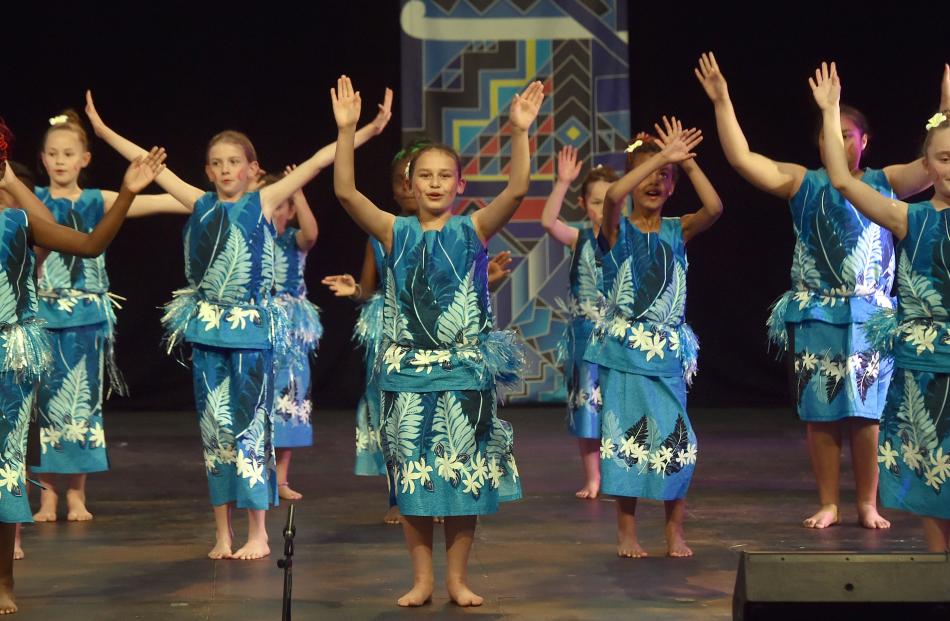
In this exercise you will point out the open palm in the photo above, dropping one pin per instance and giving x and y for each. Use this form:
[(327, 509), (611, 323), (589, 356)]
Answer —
[(346, 103), (825, 86), (525, 107), (677, 143), (143, 170), (711, 78)]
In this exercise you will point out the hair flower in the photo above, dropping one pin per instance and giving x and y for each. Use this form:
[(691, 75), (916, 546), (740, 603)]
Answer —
[(636, 144), (59, 119), (935, 121)]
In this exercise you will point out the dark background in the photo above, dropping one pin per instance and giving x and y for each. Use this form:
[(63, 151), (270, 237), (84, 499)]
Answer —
[(174, 74)]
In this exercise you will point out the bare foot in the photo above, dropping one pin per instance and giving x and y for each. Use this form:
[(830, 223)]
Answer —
[(826, 516), (676, 543), (868, 517), (589, 491), (18, 554), (628, 547), (438, 519), (462, 595), (44, 516), (48, 501), (420, 595), (76, 507), (221, 550), (252, 550), (7, 605), (286, 493), (393, 516)]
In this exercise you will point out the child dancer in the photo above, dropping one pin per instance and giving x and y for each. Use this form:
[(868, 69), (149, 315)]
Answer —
[(296, 234), (440, 359), (842, 270), (74, 301), (25, 348), (583, 387), (914, 453), (228, 315), (645, 350)]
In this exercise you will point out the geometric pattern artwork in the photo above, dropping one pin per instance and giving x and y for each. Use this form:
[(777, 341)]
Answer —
[(462, 62)]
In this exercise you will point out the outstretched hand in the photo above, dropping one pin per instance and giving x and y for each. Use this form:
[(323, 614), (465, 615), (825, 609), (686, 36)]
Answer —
[(677, 143), (525, 107), (144, 169), (346, 103), (342, 286), (945, 89), (825, 86), (711, 78), (568, 168), (499, 267), (94, 119), (385, 112)]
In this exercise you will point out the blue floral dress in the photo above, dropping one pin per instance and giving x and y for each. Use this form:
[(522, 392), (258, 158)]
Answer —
[(439, 364), (585, 307), (228, 315), (647, 354), (914, 451), (368, 332), (292, 408), (24, 359), (74, 301), (842, 271)]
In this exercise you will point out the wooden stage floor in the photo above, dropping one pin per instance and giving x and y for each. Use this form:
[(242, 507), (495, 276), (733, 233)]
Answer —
[(547, 557)]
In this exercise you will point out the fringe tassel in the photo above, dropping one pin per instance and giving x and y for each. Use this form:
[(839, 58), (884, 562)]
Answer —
[(778, 333), (504, 356), (881, 329), (689, 352), (178, 312), (368, 330), (26, 350)]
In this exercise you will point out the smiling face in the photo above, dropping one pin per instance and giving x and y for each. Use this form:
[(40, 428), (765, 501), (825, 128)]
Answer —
[(435, 181), (229, 169), (64, 156), (653, 192), (937, 161)]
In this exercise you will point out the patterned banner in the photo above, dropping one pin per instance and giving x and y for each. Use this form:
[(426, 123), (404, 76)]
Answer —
[(462, 62)]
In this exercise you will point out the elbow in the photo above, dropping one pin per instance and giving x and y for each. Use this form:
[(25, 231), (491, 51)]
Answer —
[(838, 181)]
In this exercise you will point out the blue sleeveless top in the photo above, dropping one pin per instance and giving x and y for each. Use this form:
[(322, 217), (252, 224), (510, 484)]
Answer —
[(842, 265), (24, 347), (643, 328), (290, 288), (437, 317), (368, 329), (229, 264), (73, 291), (586, 279)]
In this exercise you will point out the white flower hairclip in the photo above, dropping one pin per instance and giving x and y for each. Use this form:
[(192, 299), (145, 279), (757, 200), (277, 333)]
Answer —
[(935, 121), (405, 173), (598, 166), (58, 120), (636, 144)]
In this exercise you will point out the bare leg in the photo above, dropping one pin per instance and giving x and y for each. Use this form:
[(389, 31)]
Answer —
[(283, 466), (824, 446), (590, 456), (417, 530), (627, 544), (864, 461), (256, 546), (459, 534), (76, 499), (223, 534), (18, 554), (48, 498), (7, 535), (675, 539), (937, 534)]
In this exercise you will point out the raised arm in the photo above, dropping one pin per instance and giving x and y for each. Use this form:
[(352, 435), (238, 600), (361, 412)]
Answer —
[(53, 236), (568, 168), (147, 204), (695, 223), (369, 217), (524, 109), (307, 235), (276, 193), (887, 212), (345, 286), (185, 193), (781, 179)]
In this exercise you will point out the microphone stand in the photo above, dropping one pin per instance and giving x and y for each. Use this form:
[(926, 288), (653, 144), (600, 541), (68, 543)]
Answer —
[(287, 564)]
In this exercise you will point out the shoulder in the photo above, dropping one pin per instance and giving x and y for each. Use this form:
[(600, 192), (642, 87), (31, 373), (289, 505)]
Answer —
[(877, 179), (42, 193), (17, 216)]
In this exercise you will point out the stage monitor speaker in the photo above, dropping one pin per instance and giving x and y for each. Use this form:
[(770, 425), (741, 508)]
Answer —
[(813, 586)]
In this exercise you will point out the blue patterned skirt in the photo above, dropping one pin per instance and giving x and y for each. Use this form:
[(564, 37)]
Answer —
[(15, 410), (583, 385), (837, 374), (292, 404), (450, 454), (914, 449), (647, 448)]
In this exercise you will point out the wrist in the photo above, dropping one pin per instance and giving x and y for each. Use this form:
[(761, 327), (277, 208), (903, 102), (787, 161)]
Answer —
[(357, 294)]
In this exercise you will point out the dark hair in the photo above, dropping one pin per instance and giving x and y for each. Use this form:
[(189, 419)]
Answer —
[(237, 138), (649, 146), (435, 146), (73, 123), (598, 173), (945, 124), (24, 174), (857, 117), (404, 155), (268, 179)]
